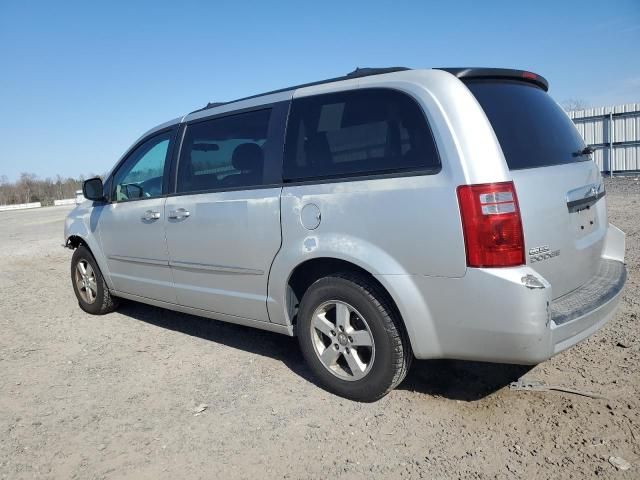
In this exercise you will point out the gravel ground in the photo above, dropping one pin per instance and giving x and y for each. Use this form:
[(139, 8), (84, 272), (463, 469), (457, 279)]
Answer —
[(149, 393)]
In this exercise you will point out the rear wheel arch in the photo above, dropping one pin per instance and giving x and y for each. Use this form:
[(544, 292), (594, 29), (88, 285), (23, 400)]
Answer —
[(368, 352), (312, 270)]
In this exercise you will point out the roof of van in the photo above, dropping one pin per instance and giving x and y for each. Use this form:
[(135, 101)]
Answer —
[(460, 72)]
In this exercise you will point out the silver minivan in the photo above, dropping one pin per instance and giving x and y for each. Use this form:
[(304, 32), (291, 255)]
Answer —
[(380, 216)]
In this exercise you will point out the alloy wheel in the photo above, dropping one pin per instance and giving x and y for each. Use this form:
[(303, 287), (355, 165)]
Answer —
[(342, 340), (86, 281)]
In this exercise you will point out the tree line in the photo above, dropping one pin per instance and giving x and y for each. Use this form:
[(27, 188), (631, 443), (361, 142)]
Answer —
[(30, 188)]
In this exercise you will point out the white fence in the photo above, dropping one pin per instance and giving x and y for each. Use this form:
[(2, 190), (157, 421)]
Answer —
[(23, 206), (614, 134), (20, 206), (66, 201)]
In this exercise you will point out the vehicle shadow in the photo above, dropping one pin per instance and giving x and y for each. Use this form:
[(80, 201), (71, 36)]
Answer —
[(459, 379), (453, 379), (252, 340)]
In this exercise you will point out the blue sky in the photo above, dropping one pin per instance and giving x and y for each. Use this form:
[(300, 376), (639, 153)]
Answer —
[(80, 81)]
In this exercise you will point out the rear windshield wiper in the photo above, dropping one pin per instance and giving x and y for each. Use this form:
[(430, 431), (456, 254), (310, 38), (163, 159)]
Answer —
[(585, 151)]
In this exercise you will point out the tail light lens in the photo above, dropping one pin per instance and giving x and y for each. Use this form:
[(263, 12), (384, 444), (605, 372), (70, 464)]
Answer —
[(492, 226)]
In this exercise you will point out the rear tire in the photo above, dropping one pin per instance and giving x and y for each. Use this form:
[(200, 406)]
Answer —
[(88, 284), (352, 337)]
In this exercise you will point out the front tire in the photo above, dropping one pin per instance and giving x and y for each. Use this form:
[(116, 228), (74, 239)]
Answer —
[(89, 285), (352, 337)]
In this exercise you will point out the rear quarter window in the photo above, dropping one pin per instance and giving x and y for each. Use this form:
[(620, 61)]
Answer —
[(532, 129), (355, 133)]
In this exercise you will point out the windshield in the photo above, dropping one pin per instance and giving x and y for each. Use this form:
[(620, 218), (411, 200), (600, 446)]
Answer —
[(532, 129)]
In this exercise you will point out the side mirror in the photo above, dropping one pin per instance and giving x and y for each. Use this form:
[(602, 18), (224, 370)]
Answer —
[(93, 189)]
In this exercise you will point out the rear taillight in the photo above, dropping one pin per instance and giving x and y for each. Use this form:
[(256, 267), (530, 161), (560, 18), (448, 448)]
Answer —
[(491, 224)]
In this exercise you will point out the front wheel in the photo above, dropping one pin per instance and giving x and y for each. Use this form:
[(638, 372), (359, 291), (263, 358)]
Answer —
[(352, 338), (89, 285)]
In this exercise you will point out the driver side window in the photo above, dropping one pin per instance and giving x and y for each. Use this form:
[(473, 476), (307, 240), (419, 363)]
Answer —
[(140, 176)]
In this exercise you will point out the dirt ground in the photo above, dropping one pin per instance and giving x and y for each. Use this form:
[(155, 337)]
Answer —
[(149, 393)]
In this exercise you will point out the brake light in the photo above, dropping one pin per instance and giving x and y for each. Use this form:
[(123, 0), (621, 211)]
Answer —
[(530, 75), (491, 224)]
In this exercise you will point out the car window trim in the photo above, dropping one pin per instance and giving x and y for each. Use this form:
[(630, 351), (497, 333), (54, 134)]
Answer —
[(317, 181), (224, 190), (341, 178), (175, 160)]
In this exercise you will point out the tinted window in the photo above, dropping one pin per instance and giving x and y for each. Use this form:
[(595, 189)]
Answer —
[(224, 152), (356, 133), (532, 129), (140, 176)]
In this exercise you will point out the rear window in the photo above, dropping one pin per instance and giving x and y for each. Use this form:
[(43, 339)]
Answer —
[(532, 129), (358, 132)]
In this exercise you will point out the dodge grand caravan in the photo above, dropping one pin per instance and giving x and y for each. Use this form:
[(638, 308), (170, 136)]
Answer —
[(386, 214)]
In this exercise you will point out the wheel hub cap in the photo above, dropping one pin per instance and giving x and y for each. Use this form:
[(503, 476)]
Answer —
[(342, 340), (85, 279)]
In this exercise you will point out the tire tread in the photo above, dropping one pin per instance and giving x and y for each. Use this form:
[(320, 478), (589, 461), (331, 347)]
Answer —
[(394, 328), (108, 303), (393, 325)]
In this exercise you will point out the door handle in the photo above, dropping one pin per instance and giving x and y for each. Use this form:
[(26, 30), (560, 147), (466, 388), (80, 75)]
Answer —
[(179, 214), (151, 215)]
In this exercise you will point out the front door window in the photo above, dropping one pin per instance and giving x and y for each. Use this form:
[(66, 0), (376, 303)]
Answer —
[(141, 174)]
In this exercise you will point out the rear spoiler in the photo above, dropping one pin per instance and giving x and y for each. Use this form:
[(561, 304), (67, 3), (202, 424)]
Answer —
[(499, 73)]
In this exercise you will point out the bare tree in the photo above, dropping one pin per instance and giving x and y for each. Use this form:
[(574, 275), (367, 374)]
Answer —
[(5, 187), (59, 186), (26, 185), (573, 104)]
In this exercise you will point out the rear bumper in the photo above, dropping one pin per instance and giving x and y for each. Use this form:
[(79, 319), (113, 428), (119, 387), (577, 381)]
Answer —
[(491, 315), (578, 314)]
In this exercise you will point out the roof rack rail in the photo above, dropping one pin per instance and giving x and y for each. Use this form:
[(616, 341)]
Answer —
[(214, 104), (368, 71), (357, 73)]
